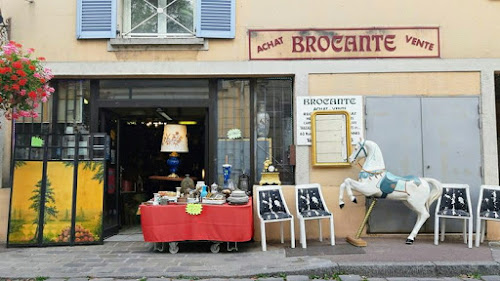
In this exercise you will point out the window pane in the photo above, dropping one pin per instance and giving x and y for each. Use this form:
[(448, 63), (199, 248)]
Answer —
[(275, 133), (154, 89), (180, 16), (70, 100), (141, 10), (233, 145)]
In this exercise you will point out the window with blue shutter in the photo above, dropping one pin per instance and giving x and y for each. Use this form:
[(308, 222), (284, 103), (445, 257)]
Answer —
[(216, 19), (96, 19)]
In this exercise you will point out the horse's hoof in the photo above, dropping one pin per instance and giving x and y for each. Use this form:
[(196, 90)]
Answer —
[(355, 200), (409, 241), (341, 205)]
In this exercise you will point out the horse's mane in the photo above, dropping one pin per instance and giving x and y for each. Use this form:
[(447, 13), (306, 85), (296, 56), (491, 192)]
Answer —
[(374, 160)]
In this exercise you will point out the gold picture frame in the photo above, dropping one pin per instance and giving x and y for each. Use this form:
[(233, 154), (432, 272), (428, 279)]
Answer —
[(331, 138)]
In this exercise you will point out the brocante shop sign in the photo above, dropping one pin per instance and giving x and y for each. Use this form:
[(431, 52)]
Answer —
[(344, 43)]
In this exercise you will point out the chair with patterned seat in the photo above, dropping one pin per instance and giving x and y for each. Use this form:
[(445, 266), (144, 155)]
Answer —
[(454, 203), (271, 207), (488, 208), (310, 205)]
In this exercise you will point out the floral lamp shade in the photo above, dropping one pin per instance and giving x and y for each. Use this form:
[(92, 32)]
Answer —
[(174, 138)]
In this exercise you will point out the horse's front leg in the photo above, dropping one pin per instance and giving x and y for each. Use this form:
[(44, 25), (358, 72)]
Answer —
[(346, 185)]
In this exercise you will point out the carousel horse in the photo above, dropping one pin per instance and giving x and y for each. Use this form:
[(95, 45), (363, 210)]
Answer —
[(418, 194)]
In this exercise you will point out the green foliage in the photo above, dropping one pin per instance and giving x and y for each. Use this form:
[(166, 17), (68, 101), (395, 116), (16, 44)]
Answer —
[(96, 167), (16, 225), (143, 279), (41, 278), (326, 276), (475, 275), (18, 163), (188, 277)]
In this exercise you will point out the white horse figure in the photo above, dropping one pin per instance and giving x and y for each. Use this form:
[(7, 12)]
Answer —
[(416, 193)]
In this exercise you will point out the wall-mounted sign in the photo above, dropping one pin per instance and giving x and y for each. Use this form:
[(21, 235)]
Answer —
[(306, 105), (344, 43), (331, 138)]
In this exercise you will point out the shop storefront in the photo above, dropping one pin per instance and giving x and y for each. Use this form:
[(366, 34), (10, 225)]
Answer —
[(245, 96)]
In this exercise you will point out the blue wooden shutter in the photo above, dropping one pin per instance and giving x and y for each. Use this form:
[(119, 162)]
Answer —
[(216, 18), (96, 19)]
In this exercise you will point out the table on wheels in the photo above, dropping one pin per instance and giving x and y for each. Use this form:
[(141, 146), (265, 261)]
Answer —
[(217, 223)]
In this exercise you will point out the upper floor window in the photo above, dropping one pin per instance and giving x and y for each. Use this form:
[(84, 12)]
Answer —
[(158, 18)]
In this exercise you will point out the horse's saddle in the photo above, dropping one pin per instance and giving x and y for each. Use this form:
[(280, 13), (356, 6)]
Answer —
[(390, 183)]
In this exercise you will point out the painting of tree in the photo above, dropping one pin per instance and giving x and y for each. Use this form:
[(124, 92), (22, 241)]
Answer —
[(50, 209)]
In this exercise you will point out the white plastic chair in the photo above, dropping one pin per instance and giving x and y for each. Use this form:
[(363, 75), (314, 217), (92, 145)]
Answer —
[(310, 205), (271, 207), (454, 203), (488, 208)]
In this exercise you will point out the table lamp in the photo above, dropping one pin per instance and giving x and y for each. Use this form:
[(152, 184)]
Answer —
[(174, 140)]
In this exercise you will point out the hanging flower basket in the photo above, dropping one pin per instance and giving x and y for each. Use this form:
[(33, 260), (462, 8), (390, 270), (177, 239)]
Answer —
[(23, 82)]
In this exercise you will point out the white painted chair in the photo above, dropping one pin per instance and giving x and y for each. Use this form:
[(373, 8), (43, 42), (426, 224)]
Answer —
[(488, 208), (310, 205), (454, 203), (271, 207)]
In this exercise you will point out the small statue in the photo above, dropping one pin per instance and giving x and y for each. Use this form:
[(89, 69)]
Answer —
[(187, 184), (267, 163)]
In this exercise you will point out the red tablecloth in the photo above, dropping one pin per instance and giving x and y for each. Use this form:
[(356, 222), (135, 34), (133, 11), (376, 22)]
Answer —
[(170, 223)]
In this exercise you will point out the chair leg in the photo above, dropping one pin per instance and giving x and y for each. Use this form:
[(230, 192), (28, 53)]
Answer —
[(282, 236), (292, 233), (469, 244), (478, 231), (320, 231), (436, 230), (332, 232), (443, 228), (263, 236), (303, 233), (483, 230), (465, 231)]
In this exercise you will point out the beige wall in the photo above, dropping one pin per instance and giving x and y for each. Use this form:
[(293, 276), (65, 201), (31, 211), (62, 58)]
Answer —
[(467, 29), (4, 213)]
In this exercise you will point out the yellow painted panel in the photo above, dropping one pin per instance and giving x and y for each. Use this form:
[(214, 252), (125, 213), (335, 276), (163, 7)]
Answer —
[(58, 202), (89, 201), (24, 210), (388, 84)]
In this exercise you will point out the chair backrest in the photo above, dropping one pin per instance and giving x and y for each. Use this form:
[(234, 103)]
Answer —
[(489, 202), (270, 199), (455, 201), (309, 197)]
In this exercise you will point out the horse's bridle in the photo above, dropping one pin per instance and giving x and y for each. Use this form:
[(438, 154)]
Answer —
[(362, 147)]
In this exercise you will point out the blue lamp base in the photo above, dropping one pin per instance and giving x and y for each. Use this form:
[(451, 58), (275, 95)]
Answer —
[(173, 163)]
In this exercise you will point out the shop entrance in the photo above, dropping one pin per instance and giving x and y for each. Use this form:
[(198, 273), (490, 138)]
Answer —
[(136, 166)]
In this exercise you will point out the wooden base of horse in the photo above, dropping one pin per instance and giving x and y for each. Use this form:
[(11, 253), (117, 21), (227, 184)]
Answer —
[(358, 242)]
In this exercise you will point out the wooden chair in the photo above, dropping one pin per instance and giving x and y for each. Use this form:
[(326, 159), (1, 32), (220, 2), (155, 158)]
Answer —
[(454, 203), (311, 205), (271, 207), (488, 208)]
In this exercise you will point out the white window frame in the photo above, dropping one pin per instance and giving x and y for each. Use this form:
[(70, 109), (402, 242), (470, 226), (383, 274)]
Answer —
[(127, 31)]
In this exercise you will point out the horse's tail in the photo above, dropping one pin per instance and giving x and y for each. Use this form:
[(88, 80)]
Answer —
[(436, 188)]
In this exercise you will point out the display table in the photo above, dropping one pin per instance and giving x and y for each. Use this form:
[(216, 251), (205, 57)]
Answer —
[(218, 223)]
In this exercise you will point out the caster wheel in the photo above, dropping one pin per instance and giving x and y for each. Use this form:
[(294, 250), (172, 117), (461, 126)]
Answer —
[(215, 248), (173, 247)]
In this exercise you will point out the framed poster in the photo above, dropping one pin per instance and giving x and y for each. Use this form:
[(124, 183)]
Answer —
[(331, 138)]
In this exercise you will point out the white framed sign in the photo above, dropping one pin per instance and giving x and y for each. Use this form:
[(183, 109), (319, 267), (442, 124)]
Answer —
[(306, 105)]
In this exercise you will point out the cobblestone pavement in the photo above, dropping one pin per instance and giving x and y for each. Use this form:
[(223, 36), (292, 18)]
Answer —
[(384, 259)]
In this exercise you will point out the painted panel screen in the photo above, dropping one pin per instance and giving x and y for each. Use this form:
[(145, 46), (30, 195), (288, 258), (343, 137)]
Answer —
[(330, 138)]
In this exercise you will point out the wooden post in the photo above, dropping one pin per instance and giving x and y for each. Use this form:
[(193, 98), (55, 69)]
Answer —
[(356, 241)]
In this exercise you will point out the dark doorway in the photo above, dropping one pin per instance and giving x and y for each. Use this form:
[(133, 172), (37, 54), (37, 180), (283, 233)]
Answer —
[(136, 136)]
